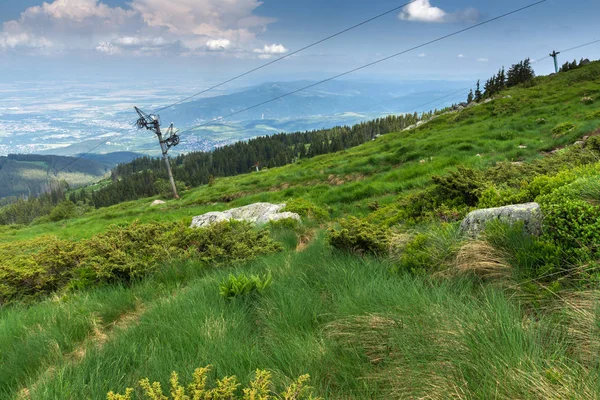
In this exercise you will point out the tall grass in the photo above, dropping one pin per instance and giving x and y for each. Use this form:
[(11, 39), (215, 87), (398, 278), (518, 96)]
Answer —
[(360, 331)]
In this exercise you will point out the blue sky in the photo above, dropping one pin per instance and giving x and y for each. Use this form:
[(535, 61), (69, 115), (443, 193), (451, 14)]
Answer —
[(210, 40)]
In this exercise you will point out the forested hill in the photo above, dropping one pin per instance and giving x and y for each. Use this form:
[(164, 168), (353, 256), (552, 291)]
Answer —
[(28, 174), (147, 176)]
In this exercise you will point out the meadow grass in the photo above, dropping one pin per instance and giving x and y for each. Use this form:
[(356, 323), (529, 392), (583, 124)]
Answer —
[(360, 331)]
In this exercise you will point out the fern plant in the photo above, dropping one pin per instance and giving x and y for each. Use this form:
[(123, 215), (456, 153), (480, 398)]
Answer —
[(241, 285)]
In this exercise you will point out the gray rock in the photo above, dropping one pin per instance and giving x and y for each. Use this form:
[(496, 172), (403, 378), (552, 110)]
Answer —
[(530, 214), (157, 203), (258, 213)]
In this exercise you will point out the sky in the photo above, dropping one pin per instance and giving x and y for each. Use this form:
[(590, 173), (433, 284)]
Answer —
[(211, 40)]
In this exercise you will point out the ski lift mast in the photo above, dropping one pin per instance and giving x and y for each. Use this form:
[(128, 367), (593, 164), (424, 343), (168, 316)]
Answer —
[(151, 122)]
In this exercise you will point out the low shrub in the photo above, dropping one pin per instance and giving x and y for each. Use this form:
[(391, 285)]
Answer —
[(463, 186), (563, 129), (241, 285), (593, 115), (122, 254), (359, 236), (228, 388), (572, 223), (307, 209), (432, 250)]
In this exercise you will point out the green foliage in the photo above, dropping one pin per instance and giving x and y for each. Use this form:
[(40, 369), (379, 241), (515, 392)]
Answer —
[(64, 210), (260, 388), (307, 209), (163, 187), (532, 258), (432, 250), (225, 242), (463, 186), (242, 285), (359, 236), (563, 129), (574, 224), (122, 254)]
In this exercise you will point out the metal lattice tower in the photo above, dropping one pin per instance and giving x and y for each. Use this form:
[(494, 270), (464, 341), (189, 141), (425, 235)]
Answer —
[(152, 123)]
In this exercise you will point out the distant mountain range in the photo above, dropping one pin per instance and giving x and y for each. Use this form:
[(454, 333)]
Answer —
[(329, 99)]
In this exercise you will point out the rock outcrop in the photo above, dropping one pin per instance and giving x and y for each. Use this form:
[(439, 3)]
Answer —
[(258, 213), (157, 203), (529, 214)]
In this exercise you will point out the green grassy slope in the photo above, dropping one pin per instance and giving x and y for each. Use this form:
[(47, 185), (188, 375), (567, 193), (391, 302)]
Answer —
[(25, 174), (359, 331), (359, 326), (392, 165)]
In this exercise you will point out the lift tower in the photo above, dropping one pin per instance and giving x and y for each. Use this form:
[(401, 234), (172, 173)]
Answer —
[(152, 123), (554, 55)]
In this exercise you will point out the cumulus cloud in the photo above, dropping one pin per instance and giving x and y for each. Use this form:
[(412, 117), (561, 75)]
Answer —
[(141, 26), (218, 44), (269, 51), (423, 11)]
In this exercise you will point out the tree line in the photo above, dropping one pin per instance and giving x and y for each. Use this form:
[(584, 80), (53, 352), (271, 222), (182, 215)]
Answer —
[(517, 74)]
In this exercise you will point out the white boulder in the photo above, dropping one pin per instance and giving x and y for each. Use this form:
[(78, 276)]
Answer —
[(157, 203), (529, 214), (258, 213)]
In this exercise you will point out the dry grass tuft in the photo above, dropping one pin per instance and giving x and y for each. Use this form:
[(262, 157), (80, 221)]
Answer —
[(580, 309), (482, 259), (372, 333)]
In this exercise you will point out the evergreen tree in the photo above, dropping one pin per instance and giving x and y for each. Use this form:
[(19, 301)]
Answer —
[(478, 94)]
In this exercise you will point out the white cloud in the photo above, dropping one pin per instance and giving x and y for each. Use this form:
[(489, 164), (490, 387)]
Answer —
[(269, 51), (461, 56), (142, 26), (218, 44), (272, 49), (422, 55), (483, 59), (423, 11)]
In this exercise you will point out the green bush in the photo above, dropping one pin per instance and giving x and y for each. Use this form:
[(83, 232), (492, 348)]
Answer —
[(463, 186), (359, 236), (574, 224), (430, 251), (563, 129), (122, 254), (241, 285), (64, 210), (307, 209)]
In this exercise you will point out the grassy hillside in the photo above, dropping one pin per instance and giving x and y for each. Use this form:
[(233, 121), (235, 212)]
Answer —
[(520, 126), (396, 304), (22, 174)]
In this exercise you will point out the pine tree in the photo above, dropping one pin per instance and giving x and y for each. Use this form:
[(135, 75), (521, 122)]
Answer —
[(478, 94), (470, 97)]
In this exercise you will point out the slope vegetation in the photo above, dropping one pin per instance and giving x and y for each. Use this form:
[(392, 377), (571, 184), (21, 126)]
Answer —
[(375, 295)]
